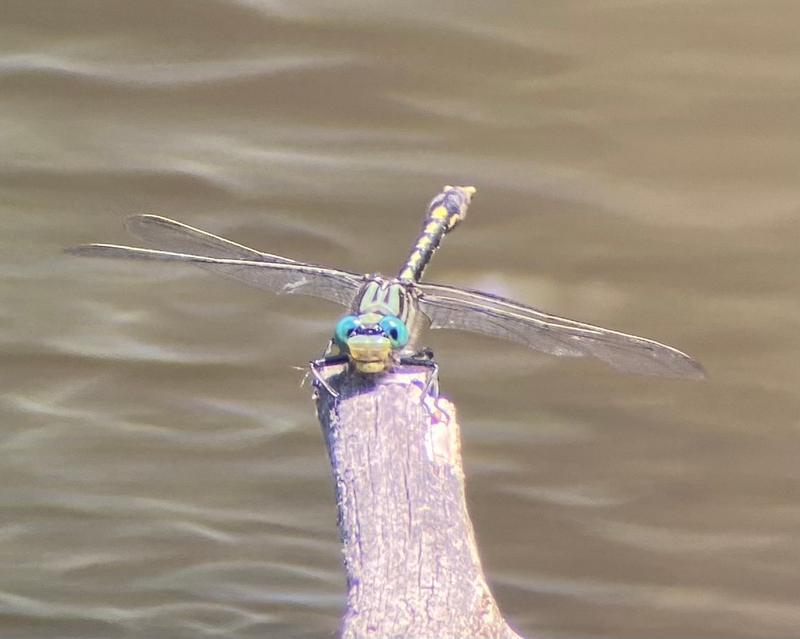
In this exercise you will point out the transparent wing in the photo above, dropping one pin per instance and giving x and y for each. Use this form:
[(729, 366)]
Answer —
[(170, 235), (464, 309), (279, 277)]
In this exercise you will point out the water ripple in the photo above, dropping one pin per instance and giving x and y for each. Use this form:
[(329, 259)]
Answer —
[(162, 75)]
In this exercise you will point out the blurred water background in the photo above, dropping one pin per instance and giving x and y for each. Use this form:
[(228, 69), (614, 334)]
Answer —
[(162, 474)]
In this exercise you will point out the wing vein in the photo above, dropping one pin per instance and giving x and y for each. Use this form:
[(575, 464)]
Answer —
[(279, 277), (498, 317)]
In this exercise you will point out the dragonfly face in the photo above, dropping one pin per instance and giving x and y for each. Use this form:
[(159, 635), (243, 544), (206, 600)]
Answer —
[(381, 326), (371, 340)]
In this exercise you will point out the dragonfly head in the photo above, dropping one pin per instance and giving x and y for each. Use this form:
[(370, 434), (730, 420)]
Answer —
[(370, 339)]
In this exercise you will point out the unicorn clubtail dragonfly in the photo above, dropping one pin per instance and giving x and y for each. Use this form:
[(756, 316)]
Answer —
[(387, 315)]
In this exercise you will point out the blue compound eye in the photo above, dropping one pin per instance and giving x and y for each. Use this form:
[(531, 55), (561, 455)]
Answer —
[(345, 328), (395, 330)]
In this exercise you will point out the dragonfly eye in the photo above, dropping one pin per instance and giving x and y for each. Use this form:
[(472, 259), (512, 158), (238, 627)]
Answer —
[(395, 330), (345, 328)]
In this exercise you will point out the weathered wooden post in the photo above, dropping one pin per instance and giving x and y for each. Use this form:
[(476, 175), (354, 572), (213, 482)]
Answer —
[(412, 565)]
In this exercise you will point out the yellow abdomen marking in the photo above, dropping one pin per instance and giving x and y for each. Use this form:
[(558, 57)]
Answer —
[(439, 213), (446, 210)]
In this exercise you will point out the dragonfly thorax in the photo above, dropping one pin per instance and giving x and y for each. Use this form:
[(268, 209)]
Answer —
[(386, 297)]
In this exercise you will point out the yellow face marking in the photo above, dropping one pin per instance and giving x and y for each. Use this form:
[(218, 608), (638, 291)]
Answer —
[(370, 367), (369, 353)]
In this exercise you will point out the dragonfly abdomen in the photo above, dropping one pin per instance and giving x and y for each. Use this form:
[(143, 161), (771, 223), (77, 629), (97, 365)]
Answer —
[(445, 211)]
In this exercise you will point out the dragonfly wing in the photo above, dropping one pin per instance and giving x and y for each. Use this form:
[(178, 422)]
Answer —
[(291, 278), (445, 312), (165, 234), (449, 307)]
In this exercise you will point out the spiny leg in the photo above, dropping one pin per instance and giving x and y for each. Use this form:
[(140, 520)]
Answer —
[(423, 353), (326, 354), (317, 365), (425, 359), (429, 397)]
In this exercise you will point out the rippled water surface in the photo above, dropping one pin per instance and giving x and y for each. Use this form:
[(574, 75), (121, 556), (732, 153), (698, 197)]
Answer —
[(162, 473)]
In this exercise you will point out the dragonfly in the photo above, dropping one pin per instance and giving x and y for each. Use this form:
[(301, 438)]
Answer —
[(386, 316)]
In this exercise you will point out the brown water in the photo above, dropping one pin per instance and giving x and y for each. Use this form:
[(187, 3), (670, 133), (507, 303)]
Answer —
[(161, 470)]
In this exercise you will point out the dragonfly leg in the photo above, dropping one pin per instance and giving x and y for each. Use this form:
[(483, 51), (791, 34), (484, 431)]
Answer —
[(317, 365), (431, 378), (430, 390), (423, 354)]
